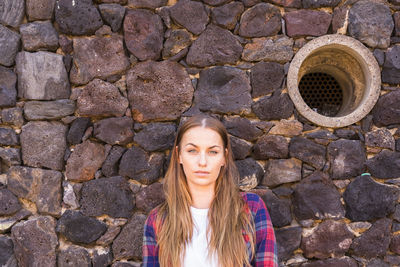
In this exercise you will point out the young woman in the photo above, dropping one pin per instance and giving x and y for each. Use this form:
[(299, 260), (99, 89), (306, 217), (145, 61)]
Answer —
[(205, 221)]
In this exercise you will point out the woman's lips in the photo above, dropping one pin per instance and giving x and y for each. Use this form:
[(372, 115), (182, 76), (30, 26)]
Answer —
[(201, 173)]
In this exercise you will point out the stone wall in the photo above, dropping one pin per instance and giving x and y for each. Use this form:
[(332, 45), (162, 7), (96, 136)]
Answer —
[(91, 95)]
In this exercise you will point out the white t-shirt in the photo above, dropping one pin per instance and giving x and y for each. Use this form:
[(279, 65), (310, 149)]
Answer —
[(197, 250)]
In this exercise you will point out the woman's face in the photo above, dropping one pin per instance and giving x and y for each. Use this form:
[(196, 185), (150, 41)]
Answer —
[(202, 155)]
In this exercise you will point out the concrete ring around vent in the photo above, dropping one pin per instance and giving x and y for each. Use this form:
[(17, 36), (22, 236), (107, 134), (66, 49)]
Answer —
[(350, 64)]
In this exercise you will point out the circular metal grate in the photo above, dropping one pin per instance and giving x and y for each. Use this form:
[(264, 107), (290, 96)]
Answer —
[(322, 93)]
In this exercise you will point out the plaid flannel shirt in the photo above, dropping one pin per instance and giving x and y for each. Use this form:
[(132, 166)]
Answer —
[(266, 249)]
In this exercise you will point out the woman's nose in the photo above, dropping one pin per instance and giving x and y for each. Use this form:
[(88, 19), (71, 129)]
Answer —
[(202, 159)]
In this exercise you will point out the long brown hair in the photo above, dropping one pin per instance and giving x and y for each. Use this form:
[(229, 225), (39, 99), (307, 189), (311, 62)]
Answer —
[(229, 217)]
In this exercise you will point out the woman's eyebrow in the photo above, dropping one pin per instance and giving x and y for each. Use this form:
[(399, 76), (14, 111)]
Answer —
[(211, 147)]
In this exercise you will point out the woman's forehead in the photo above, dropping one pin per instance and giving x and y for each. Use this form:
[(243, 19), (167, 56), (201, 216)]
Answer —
[(201, 136)]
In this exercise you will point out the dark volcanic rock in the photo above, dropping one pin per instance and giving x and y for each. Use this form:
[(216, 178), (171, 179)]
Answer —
[(385, 165), (227, 15), (100, 98), (166, 83), (215, 46), (39, 9), (144, 34), (191, 15), (9, 44), (39, 35), (150, 197), (250, 173), (390, 74), (114, 130), (12, 12), (8, 91), (240, 148), (79, 228), (334, 262), (381, 138), (319, 3), (330, 238), (128, 244), (277, 48), (77, 130), (396, 18), (308, 151), (84, 161), (280, 171), (307, 22), (42, 110), (279, 209), (346, 158), (156, 136), (12, 116), (77, 17), (375, 241), (113, 15), (266, 77), (43, 187), (38, 248), (215, 2), (73, 256), (140, 166), (146, 3), (110, 196), (386, 111), (177, 41), (286, 3), (243, 128), (223, 90), (276, 107), (42, 76), (8, 137), (371, 23), (261, 20), (315, 197), (102, 258), (6, 251), (43, 144), (10, 156), (271, 146), (9, 203), (395, 244), (367, 200), (110, 165), (98, 57), (288, 240)]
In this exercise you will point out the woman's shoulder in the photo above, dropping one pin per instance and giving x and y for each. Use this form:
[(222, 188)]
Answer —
[(253, 201)]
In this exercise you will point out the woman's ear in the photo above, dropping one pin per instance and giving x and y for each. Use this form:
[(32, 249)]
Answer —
[(177, 154)]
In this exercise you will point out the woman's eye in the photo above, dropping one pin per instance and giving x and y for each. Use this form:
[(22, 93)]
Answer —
[(192, 151), (213, 152)]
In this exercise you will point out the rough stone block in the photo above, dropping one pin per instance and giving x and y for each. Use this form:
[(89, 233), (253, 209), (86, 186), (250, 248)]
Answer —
[(114, 130), (98, 57), (156, 136), (191, 15), (223, 90), (250, 173), (79, 228), (308, 151), (260, 21), (113, 15), (43, 187), (39, 35), (282, 171), (271, 146), (227, 15), (84, 161), (275, 107), (8, 91), (77, 17), (307, 23), (9, 45), (39, 247), (111, 196), (166, 83), (43, 110), (73, 256), (39, 9), (143, 44), (42, 76), (43, 144), (12, 12)]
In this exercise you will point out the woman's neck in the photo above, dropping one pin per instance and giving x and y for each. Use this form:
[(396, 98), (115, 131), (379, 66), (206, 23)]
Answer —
[(202, 198)]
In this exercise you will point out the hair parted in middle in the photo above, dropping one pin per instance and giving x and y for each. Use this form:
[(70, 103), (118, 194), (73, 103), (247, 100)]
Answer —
[(229, 217)]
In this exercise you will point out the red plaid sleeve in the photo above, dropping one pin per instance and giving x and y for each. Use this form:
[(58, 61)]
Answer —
[(150, 248), (266, 249)]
